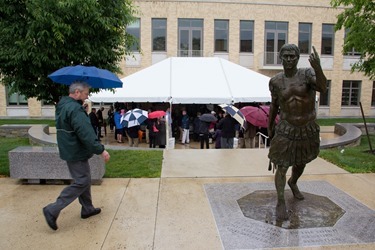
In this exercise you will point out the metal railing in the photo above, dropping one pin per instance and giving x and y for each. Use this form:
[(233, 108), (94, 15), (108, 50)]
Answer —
[(190, 53), (260, 139), (271, 58)]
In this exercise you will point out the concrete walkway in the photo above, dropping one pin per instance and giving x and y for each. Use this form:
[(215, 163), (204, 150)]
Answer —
[(171, 212)]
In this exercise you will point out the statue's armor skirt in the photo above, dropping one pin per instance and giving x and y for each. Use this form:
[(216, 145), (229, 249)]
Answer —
[(294, 145)]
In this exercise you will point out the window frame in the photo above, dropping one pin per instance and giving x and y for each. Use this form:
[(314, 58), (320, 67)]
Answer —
[(160, 28), (373, 95), (332, 35), (352, 52), (276, 31), (21, 100), (190, 26), (326, 95), (225, 44), (350, 90), (309, 33), (136, 46), (251, 30)]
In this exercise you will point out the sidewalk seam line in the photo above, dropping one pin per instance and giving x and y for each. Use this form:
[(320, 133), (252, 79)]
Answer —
[(156, 214), (113, 219)]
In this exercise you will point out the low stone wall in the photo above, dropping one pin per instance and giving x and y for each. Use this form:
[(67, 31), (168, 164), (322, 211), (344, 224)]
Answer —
[(39, 135), (349, 136), (361, 126), (35, 164), (15, 130)]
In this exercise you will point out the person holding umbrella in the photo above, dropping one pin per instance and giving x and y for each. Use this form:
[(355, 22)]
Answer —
[(119, 128), (131, 121), (249, 135), (132, 133), (227, 125), (205, 121), (77, 142), (203, 134)]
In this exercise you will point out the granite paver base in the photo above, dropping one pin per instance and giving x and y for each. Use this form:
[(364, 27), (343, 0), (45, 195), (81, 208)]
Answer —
[(355, 226)]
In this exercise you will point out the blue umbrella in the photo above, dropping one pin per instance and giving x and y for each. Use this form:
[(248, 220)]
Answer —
[(95, 77), (133, 118)]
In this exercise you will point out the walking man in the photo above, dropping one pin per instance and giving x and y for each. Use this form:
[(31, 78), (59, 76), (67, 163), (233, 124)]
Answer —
[(77, 142), (295, 139)]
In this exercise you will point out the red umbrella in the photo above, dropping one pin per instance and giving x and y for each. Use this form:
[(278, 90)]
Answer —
[(156, 114), (258, 116)]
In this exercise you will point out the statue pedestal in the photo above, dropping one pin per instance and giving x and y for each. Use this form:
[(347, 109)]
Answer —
[(245, 216)]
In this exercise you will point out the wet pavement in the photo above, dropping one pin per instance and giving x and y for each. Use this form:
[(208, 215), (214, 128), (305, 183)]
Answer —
[(171, 212)]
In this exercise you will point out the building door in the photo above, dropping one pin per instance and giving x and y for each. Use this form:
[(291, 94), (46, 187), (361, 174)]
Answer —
[(276, 37), (190, 39)]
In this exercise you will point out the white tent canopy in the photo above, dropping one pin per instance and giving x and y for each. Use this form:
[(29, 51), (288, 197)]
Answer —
[(190, 80)]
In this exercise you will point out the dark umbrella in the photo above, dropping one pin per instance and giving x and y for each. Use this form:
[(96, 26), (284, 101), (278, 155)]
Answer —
[(235, 113), (258, 116), (95, 77), (133, 118), (208, 118)]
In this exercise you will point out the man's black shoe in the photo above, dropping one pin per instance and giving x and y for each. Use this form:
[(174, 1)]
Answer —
[(51, 220), (95, 212)]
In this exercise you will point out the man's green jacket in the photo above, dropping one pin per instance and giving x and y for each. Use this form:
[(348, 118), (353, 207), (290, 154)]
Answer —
[(76, 138)]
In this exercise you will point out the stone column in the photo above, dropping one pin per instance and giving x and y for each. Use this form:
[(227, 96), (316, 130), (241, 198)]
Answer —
[(3, 101)]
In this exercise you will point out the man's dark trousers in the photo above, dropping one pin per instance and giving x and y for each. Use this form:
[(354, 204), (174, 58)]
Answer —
[(80, 188)]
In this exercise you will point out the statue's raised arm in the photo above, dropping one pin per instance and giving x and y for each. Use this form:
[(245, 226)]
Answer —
[(321, 80)]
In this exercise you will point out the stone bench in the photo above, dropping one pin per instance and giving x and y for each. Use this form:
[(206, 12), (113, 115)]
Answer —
[(350, 135), (38, 164)]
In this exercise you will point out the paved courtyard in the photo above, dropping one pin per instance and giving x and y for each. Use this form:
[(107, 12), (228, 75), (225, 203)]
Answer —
[(171, 212)]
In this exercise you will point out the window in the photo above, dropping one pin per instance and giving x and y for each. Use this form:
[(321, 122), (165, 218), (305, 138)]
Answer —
[(352, 52), (15, 98), (373, 94), (304, 38), (350, 93), (246, 36), (221, 35), (276, 37), (135, 30), (324, 97), (47, 103), (190, 37), (159, 34), (328, 35)]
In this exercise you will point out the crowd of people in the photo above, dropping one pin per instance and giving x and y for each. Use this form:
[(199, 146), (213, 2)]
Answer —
[(225, 132), (154, 129)]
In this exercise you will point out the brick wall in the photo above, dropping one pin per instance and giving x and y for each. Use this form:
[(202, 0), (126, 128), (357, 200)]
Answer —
[(291, 11)]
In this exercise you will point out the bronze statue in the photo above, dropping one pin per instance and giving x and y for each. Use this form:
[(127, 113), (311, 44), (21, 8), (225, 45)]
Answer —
[(295, 139)]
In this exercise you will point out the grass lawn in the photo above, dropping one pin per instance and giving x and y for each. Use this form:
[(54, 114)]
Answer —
[(333, 121), (50, 122), (123, 163), (353, 159), (7, 144), (134, 164), (147, 163)]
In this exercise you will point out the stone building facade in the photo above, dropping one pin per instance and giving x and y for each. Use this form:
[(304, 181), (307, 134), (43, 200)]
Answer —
[(245, 32)]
